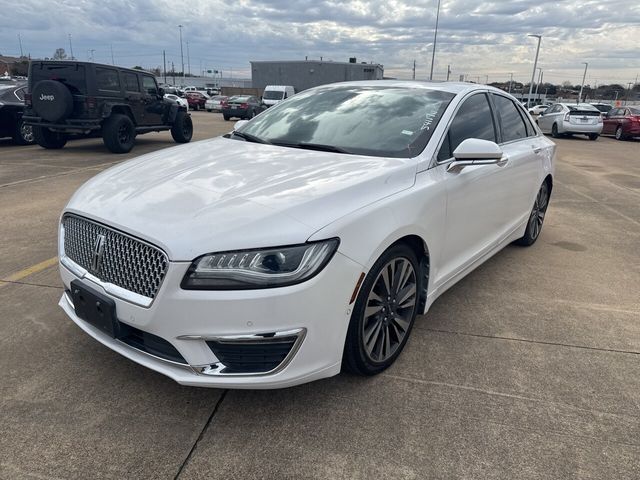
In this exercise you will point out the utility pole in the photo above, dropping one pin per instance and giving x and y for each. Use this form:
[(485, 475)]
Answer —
[(435, 40), (487, 82), (188, 58), (414, 70), (20, 42), (448, 72), (113, 62), (535, 65), (629, 91), (181, 52), (71, 47), (586, 65), (173, 73), (510, 81), (164, 61)]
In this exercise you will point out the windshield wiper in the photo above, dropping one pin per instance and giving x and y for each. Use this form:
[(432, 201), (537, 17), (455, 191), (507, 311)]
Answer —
[(250, 138), (312, 146)]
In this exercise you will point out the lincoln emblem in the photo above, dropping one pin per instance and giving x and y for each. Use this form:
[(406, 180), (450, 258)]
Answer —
[(98, 251)]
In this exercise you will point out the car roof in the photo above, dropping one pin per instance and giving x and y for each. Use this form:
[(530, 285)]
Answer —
[(587, 106), (450, 87), (77, 62)]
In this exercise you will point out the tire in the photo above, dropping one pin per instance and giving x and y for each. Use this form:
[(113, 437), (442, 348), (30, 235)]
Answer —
[(118, 133), (23, 134), (379, 327), (209, 110), (593, 136), (182, 128), (226, 117), (48, 139), (536, 218), (52, 100), (554, 131), (619, 133)]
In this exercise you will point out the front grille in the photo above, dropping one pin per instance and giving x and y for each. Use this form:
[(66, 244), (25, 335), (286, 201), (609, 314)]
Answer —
[(126, 262), (252, 357)]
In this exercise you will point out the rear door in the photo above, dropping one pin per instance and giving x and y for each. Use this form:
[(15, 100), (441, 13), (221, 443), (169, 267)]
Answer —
[(133, 95), (525, 152)]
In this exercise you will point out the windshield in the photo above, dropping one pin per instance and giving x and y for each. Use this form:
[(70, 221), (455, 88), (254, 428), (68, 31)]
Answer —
[(72, 76), (238, 99), (378, 121), (273, 95)]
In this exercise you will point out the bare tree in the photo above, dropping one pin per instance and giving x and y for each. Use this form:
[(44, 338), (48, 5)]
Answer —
[(59, 54)]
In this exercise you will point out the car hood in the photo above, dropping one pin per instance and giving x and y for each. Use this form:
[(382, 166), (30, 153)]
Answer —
[(224, 194)]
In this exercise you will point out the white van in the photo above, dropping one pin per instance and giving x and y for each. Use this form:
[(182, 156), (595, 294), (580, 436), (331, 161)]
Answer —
[(276, 93)]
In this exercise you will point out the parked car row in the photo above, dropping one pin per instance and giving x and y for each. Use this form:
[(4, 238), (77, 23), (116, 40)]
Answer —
[(11, 110)]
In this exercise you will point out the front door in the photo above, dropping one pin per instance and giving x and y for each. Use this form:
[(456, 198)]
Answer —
[(152, 101), (477, 210)]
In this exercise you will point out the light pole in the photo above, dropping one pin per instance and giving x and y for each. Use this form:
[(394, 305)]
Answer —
[(539, 81), (20, 42), (535, 65), (181, 52), (188, 58), (435, 39), (71, 47), (510, 81), (586, 65)]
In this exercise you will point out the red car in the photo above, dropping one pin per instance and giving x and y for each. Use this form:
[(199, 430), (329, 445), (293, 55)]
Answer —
[(196, 100), (623, 122)]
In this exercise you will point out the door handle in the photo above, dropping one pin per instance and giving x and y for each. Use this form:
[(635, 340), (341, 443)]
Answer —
[(536, 149), (503, 161)]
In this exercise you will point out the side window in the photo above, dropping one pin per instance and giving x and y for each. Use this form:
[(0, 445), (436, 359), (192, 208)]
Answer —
[(511, 124), (473, 120), (149, 85), (20, 94), (130, 81), (107, 79), (554, 109)]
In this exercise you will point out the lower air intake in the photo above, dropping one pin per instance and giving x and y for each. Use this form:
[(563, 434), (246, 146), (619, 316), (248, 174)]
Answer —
[(255, 356)]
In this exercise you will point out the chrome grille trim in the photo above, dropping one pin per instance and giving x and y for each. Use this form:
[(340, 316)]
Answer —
[(128, 263)]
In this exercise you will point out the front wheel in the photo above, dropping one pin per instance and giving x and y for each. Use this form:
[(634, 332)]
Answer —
[(593, 136), (226, 117), (182, 128), (536, 218), (49, 139), (384, 312), (554, 131)]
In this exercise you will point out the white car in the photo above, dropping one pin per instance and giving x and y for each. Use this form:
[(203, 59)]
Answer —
[(538, 109), (214, 104), (179, 100), (569, 118), (306, 240)]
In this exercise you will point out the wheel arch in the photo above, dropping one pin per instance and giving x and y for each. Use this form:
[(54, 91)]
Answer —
[(421, 249), (122, 110)]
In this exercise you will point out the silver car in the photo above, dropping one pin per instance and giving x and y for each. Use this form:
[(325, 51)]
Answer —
[(569, 118)]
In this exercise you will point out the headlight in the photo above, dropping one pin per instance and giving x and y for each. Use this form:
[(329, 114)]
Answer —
[(263, 268)]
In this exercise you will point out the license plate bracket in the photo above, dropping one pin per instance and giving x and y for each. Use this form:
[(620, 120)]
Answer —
[(95, 308)]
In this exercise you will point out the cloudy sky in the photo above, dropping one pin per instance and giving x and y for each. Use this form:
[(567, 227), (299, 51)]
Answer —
[(475, 37)]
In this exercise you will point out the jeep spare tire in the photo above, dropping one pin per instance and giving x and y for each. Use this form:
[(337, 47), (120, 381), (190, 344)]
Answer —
[(52, 100)]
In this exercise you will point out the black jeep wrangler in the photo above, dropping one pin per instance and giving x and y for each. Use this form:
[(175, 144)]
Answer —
[(69, 97)]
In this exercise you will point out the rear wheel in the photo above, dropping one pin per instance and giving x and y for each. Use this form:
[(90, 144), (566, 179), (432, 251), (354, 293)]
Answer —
[(593, 136), (226, 117), (49, 139), (23, 134), (619, 133), (536, 218), (182, 128), (118, 133), (554, 131), (384, 312)]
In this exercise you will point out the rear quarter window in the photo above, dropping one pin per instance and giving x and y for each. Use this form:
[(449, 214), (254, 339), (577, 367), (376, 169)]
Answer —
[(107, 79), (73, 76)]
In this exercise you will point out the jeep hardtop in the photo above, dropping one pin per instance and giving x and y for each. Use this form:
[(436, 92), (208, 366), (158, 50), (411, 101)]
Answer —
[(70, 97)]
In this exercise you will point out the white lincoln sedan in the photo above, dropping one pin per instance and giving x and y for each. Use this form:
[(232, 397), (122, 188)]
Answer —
[(307, 240)]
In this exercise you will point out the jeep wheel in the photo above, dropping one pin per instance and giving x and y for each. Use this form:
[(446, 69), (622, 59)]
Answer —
[(23, 134), (48, 139), (182, 128), (226, 117), (118, 133)]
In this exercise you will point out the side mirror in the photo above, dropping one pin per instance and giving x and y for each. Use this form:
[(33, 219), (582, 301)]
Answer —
[(239, 124), (161, 92), (474, 151)]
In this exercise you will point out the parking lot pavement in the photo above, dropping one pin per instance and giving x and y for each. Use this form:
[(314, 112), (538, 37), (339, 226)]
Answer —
[(528, 368)]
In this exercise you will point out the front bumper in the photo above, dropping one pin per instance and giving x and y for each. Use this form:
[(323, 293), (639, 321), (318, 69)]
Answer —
[(316, 311)]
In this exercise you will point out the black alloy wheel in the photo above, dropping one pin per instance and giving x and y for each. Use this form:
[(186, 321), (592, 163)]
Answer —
[(384, 312), (536, 218)]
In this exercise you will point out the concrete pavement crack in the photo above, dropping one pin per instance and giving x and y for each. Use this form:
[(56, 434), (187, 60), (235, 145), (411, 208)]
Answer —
[(202, 432), (558, 344)]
